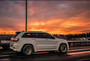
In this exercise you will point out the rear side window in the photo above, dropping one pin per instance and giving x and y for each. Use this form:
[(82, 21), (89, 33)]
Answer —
[(37, 35), (16, 34), (28, 35)]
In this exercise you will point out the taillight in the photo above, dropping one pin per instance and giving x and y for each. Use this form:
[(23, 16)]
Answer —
[(15, 39)]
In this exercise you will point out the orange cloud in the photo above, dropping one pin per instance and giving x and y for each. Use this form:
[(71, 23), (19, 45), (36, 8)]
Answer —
[(32, 10), (53, 17), (59, 26)]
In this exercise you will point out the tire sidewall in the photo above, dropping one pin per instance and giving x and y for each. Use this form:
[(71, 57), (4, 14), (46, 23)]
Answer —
[(65, 48), (23, 50)]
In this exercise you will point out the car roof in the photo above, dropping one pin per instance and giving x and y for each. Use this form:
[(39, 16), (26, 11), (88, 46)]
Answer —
[(33, 32)]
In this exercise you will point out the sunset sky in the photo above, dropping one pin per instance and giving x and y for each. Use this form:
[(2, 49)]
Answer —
[(56, 17)]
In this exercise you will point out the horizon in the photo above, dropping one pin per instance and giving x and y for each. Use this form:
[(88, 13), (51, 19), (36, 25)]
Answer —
[(13, 33)]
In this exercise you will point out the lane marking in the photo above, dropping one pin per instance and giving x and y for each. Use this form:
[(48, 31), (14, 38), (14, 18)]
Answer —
[(76, 53), (4, 55), (78, 49), (5, 59)]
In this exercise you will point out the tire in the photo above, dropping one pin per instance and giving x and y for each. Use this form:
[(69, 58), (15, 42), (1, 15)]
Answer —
[(63, 48), (27, 50)]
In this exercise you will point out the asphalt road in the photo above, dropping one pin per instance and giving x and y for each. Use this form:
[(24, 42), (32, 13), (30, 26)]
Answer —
[(74, 54)]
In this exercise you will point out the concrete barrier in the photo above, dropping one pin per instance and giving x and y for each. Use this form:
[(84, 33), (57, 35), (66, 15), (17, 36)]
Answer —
[(73, 43)]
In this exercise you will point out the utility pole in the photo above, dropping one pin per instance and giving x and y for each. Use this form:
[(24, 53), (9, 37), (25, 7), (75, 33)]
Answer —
[(26, 17)]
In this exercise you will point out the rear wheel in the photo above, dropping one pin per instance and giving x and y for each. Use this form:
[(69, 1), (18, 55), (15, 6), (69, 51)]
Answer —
[(27, 50), (63, 48)]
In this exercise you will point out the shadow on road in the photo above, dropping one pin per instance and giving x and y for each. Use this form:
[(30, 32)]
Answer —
[(44, 56)]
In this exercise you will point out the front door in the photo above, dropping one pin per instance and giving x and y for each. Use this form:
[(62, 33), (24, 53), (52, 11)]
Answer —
[(45, 42)]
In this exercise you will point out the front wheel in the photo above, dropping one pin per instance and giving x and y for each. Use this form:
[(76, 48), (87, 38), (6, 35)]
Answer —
[(63, 48), (27, 50)]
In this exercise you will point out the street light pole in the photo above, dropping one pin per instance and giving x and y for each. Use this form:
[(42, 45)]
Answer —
[(26, 17)]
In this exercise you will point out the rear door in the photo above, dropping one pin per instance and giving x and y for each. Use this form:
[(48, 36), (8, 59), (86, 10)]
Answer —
[(45, 42)]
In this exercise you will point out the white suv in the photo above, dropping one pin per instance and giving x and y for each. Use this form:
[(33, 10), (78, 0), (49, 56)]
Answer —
[(29, 42)]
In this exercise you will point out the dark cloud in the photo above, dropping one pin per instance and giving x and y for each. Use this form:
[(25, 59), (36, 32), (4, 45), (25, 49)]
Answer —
[(12, 15), (59, 9), (14, 9)]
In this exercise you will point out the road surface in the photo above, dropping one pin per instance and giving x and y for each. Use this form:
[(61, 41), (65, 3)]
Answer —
[(74, 54)]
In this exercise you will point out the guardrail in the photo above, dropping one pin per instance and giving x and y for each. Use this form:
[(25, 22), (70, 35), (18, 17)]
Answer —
[(73, 43)]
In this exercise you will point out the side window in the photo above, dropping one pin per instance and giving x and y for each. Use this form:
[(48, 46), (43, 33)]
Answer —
[(28, 35), (37, 35), (32, 35), (45, 35)]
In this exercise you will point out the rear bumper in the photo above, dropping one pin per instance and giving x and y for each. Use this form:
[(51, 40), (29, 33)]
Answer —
[(15, 47)]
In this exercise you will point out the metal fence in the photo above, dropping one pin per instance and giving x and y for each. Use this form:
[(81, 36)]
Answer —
[(73, 43)]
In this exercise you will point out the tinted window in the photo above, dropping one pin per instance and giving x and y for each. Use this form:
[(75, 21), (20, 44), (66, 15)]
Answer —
[(16, 34), (28, 35), (37, 35), (45, 35)]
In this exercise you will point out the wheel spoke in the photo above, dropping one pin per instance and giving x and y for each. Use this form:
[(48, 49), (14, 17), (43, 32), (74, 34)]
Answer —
[(27, 50), (63, 48)]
